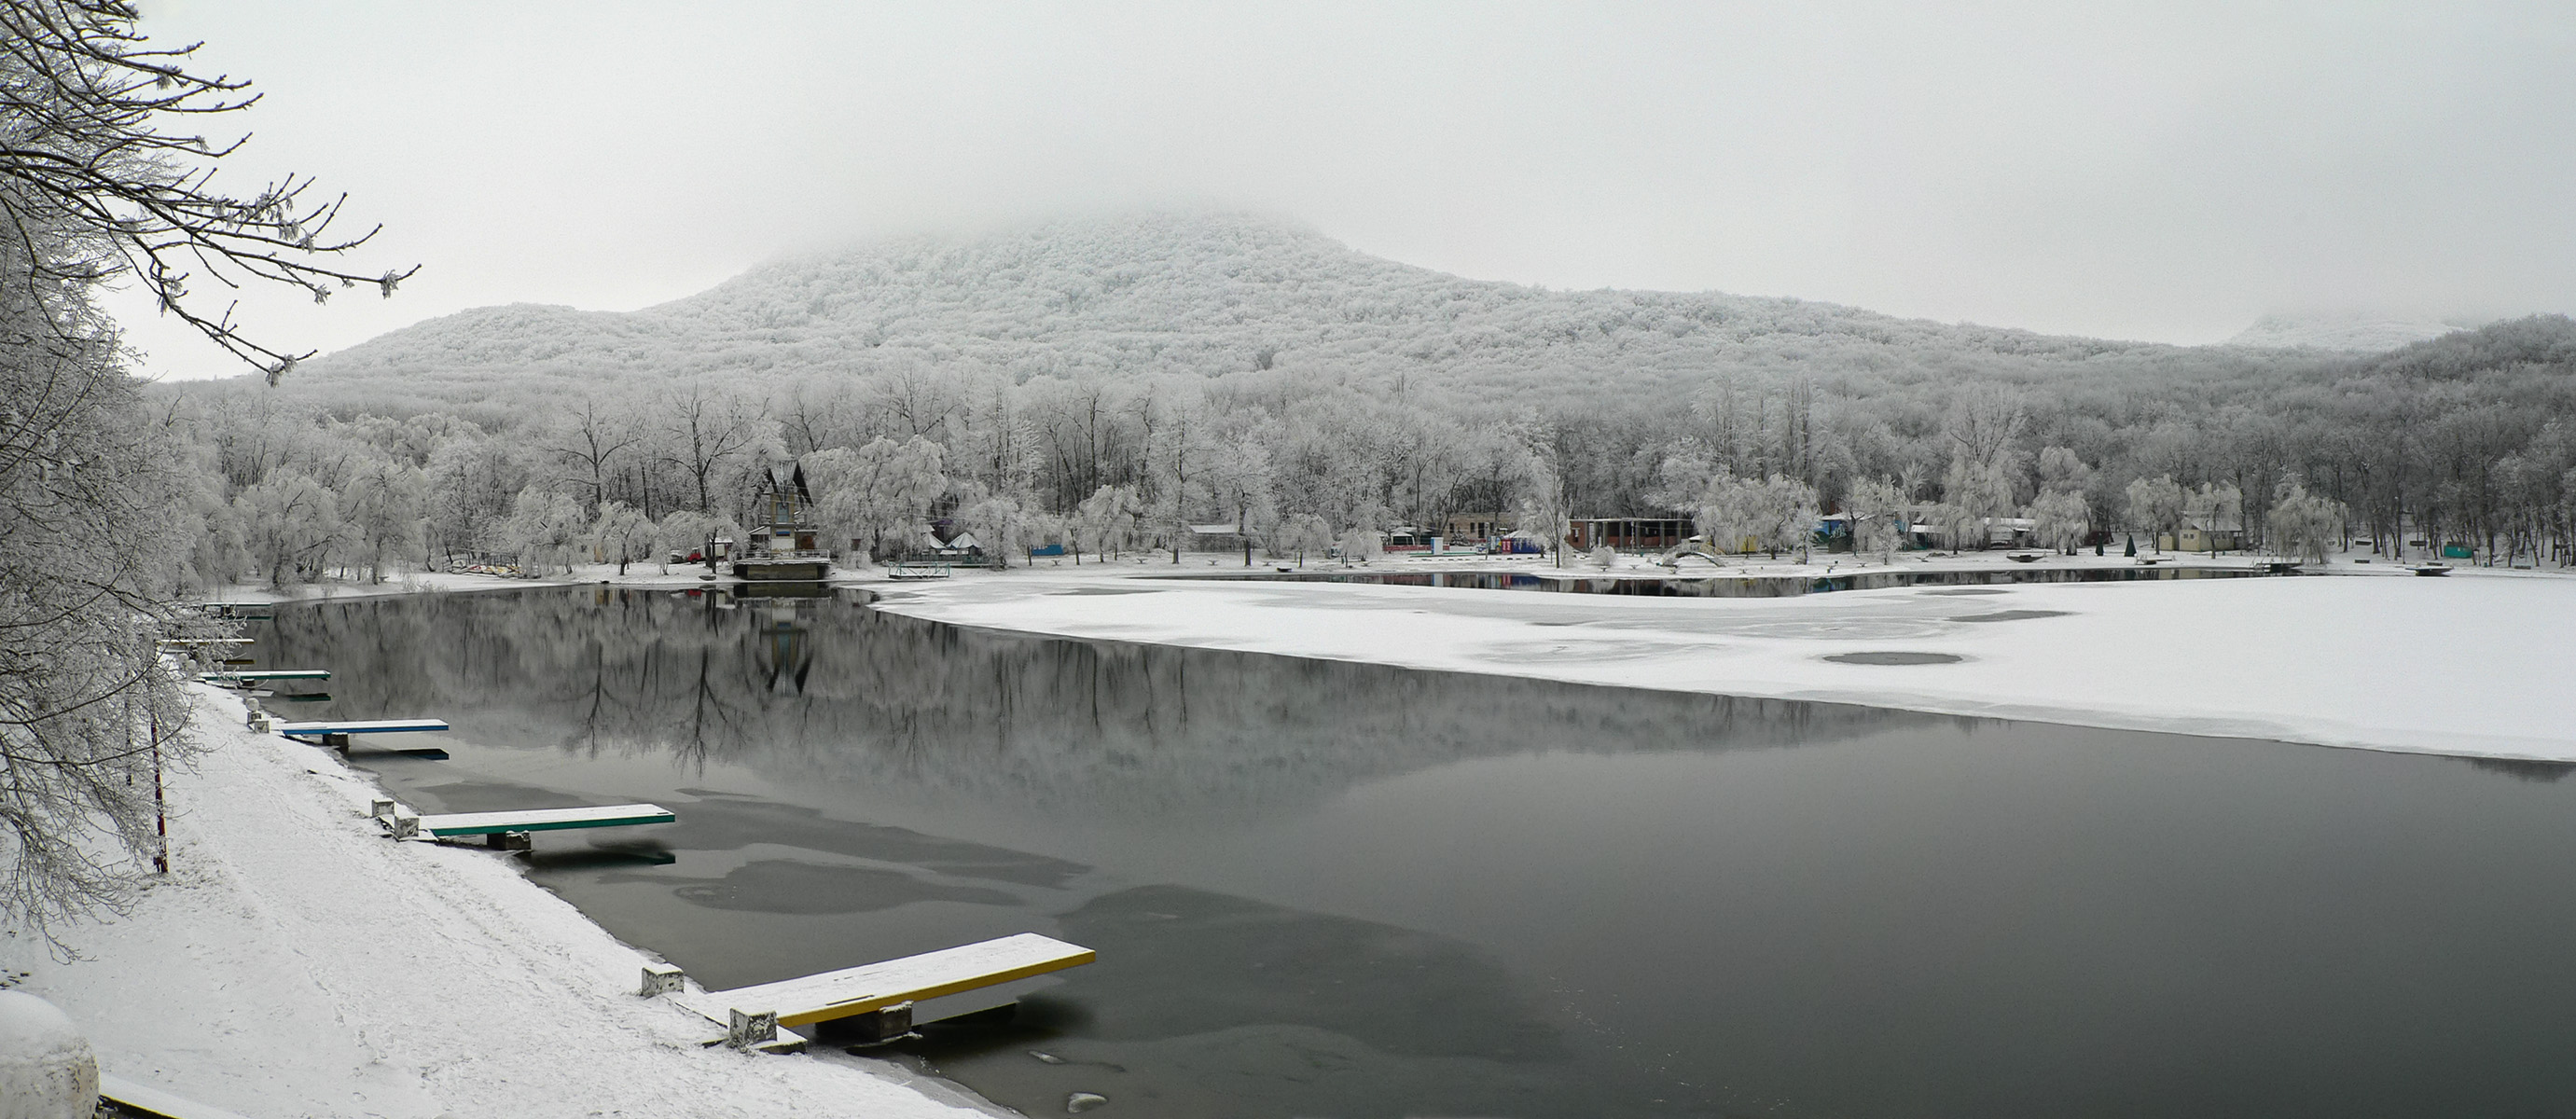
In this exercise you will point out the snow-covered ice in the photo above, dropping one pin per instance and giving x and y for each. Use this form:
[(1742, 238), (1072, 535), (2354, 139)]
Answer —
[(297, 963), (2463, 665)]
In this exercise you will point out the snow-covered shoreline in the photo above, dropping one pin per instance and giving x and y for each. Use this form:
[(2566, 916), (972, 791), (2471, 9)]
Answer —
[(297, 963)]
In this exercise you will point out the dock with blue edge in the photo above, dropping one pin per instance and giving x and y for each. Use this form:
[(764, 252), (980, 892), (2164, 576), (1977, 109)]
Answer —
[(334, 733), (329, 730)]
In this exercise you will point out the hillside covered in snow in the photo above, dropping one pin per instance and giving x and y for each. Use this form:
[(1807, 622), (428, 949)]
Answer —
[(1206, 294)]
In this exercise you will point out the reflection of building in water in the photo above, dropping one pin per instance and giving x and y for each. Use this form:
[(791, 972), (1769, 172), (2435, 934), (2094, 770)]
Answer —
[(785, 649)]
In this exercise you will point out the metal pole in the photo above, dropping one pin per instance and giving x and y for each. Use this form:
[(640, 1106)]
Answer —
[(160, 807)]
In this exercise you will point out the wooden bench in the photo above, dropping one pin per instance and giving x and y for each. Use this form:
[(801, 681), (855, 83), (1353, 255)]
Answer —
[(882, 992), (142, 1099), (509, 830)]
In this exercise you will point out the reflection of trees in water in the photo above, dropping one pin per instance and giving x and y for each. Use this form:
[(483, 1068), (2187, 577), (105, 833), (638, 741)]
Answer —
[(2524, 769), (829, 689)]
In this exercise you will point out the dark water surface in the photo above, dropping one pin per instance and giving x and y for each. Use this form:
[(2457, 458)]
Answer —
[(1332, 889)]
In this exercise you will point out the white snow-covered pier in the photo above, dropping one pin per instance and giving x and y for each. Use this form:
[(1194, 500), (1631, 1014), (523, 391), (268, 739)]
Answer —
[(889, 987), (326, 728)]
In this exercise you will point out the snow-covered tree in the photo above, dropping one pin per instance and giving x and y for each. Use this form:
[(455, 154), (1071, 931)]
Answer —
[(1001, 524), (1730, 513), (384, 504), (292, 526), (1301, 534), (543, 529), (623, 534), (1545, 508), (2156, 505), (2060, 519), (1875, 507), (879, 492), (2303, 525), (1107, 519), (96, 192), (1784, 514)]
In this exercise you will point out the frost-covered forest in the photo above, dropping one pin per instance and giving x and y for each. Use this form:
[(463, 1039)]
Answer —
[(1107, 383)]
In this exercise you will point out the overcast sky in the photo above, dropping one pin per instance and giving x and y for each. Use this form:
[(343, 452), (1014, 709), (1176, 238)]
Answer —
[(2156, 171)]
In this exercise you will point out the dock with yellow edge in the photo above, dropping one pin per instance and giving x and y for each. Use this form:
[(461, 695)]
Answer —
[(875, 1001)]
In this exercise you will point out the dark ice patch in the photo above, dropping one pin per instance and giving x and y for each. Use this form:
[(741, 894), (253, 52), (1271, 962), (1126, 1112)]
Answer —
[(2011, 616), (812, 889), (725, 822), (1896, 656)]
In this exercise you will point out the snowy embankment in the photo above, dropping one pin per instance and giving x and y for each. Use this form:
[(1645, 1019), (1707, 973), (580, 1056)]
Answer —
[(297, 963), (2468, 664)]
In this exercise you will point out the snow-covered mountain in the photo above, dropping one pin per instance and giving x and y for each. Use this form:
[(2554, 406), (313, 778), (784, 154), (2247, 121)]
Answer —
[(2347, 332), (1205, 293)]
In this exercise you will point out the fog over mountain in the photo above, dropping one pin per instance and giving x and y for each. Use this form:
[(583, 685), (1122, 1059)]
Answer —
[(1206, 294)]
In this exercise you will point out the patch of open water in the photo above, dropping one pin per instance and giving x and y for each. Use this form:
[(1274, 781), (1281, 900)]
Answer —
[(1334, 889)]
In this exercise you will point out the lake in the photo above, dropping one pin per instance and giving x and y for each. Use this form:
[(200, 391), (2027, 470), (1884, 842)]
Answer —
[(1322, 888)]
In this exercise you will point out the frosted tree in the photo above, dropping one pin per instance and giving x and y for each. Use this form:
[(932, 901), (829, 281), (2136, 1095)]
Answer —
[(878, 492), (1545, 508), (1982, 493), (1301, 534), (712, 436), (385, 505), (1001, 524), (1786, 514), (292, 526), (1179, 449), (1682, 477), (1360, 544), (1730, 514), (1107, 519), (623, 534), (2060, 519), (96, 193), (1874, 508), (1242, 482), (2303, 525), (2156, 505), (2060, 469), (543, 528), (590, 446)]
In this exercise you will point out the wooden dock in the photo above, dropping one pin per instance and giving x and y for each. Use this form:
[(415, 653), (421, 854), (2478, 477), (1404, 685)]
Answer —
[(888, 987), (544, 819)]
